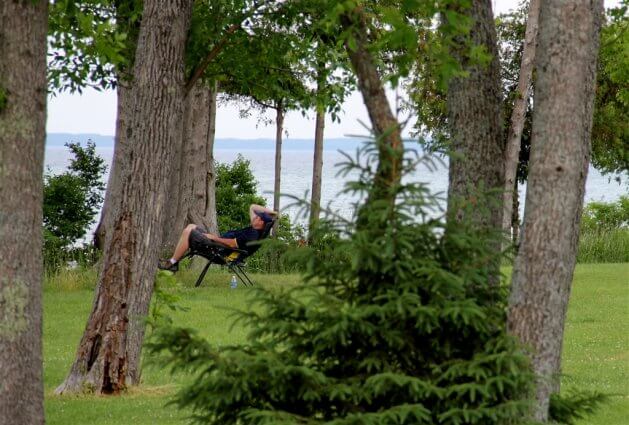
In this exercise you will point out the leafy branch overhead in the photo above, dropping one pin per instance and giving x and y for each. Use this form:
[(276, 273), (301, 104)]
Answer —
[(90, 42)]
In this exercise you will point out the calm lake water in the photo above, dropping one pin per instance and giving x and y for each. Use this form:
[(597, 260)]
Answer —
[(297, 175)]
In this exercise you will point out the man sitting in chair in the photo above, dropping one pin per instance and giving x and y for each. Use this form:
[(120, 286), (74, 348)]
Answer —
[(194, 236)]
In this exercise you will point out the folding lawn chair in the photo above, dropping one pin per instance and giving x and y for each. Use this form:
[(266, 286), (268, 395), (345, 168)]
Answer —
[(233, 258)]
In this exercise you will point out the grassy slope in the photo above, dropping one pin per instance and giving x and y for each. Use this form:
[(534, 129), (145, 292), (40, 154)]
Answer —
[(596, 350)]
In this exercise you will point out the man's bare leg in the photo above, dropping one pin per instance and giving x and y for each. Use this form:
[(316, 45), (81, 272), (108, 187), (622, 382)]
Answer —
[(183, 244)]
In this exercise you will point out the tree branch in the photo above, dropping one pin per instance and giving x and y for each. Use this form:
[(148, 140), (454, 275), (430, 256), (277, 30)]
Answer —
[(200, 69), (210, 57)]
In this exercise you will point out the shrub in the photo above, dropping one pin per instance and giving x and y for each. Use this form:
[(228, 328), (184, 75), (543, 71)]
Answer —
[(408, 330), (605, 216), (66, 214), (235, 190), (605, 232), (72, 200)]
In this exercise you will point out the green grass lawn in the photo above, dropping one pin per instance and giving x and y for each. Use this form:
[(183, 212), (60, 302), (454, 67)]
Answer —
[(596, 346)]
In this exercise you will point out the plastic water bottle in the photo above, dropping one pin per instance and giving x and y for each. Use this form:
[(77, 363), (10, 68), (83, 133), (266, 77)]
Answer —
[(233, 283)]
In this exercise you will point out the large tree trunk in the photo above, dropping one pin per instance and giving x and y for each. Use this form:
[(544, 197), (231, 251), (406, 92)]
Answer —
[(518, 115), (279, 128), (317, 167), (560, 150), (23, 26), (119, 166), (476, 172), (193, 166), (108, 356), (475, 118)]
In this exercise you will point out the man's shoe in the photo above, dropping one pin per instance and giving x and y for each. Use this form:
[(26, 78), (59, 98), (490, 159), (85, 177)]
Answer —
[(167, 265)]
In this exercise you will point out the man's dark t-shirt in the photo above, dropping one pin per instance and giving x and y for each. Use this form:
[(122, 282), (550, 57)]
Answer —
[(243, 236)]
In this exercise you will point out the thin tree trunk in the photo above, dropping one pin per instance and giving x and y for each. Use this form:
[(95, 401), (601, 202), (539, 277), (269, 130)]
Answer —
[(387, 135), (279, 128), (23, 27), (120, 163), (476, 171), (518, 115), (384, 125), (210, 181), (515, 215), (317, 167), (108, 357), (317, 160), (560, 150)]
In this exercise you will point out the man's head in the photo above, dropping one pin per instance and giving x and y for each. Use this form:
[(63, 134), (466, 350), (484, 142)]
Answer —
[(262, 218)]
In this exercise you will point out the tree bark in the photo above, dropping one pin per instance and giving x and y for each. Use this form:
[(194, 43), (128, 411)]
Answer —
[(193, 167), (119, 165), (475, 117), (560, 149), (518, 115), (317, 167), (23, 27), (385, 127), (515, 215), (210, 188), (476, 171), (279, 128), (386, 131), (108, 357)]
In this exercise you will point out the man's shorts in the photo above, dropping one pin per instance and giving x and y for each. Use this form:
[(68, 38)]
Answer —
[(197, 239)]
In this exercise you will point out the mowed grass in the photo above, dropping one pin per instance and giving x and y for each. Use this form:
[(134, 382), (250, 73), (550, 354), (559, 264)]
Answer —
[(596, 341), (596, 345)]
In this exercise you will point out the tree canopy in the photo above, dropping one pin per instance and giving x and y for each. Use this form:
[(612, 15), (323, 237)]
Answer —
[(610, 132)]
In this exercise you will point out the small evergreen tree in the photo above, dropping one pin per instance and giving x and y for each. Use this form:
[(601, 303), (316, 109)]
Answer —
[(422, 340)]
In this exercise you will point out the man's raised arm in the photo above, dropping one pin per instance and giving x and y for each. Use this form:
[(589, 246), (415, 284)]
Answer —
[(253, 208)]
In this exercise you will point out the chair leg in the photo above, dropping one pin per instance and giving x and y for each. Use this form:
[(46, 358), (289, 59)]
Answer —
[(202, 275), (240, 272)]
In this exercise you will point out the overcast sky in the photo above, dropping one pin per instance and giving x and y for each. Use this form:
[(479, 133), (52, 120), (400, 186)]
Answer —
[(95, 112)]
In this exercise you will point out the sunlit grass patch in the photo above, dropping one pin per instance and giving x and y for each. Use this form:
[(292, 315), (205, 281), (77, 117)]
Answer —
[(595, 355)]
